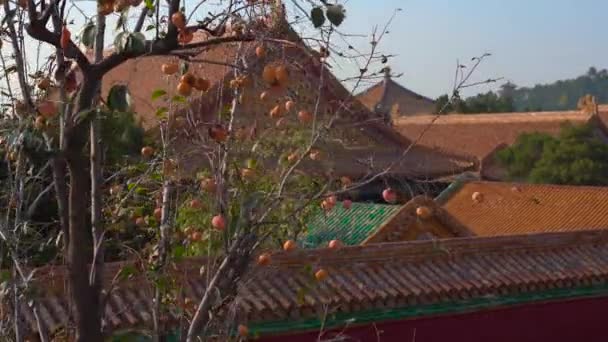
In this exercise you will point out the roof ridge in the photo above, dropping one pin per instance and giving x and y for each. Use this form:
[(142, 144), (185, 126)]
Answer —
[(450, 153), (448, 192), (418, 249), (538, 185), (373, 86), (459, 245), (427, 263), (409, 90), (479, 117), (382, 84), (396, 222)]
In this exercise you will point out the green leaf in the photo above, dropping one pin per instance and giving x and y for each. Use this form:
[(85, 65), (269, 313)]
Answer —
[(119, 98), (162, 283), (161, 112), (179, 252), (120, 42), (136, 43), (150, 27), (126, 272), (149, 5), (300, 295), (335, 14), (317, 16), (308, 269), (5, 275), (179, 99), (88, 35), (86, 115), (158, 93), (252, 163)]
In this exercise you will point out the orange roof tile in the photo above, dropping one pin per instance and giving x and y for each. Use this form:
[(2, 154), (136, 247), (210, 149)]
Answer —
[(360, 278), (406, 225), (478, 135), (400, 100), (511, 208), (357, 126), (143, 75)]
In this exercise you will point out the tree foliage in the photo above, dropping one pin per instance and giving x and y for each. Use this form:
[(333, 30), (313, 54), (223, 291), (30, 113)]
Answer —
[(489, 102), (563, 94), (64, 144), (559, 95), (575, 157)]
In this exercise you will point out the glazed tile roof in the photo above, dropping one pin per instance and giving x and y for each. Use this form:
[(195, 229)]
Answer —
[(406, 225), (364, 134), (400, 100), (478, 135), (350, 226), (511, 208), (143, 76), (364, 278)]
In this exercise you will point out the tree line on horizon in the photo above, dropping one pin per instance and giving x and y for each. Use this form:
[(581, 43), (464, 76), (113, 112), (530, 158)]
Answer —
[(559, 95)]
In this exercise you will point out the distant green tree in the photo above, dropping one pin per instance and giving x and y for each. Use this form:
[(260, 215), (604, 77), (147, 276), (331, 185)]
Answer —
[(576, 157), (521, 158), (563, 94), (490, 102), (559, 95), (442, 105)]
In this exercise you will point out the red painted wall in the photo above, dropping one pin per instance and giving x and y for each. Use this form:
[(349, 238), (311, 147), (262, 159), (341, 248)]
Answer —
[(584, 320)]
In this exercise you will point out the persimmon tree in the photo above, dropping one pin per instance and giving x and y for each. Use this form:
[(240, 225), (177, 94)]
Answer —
[(251, 191)]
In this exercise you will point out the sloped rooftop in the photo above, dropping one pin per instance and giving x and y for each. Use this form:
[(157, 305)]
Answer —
[(478, 135), (364, 135), (407, 225), (399, 100), (361, 279), (512, 208), (350, 226), (366, 223)]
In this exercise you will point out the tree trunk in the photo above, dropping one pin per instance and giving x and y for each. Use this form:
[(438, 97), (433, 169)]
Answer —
[(61, 194), (58, 164), (225, 282), (164, 249), (17, 305), (86, 296), (97, 267)]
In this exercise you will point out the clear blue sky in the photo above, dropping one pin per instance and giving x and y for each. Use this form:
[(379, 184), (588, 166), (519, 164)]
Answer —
[(531, 41)]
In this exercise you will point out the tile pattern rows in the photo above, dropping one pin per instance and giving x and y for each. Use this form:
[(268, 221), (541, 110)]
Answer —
[(512, 208), (361, 278)]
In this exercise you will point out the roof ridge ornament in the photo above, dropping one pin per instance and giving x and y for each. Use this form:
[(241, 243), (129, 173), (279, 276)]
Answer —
[(587, 104), (382, 108), (387, 72)]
